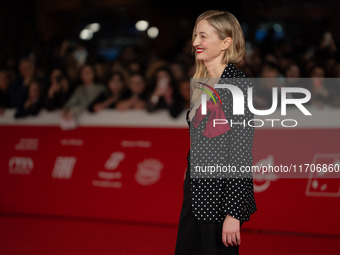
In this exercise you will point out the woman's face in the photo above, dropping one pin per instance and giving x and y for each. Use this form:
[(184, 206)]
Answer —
[(208, 45), (318, 72), (115, 83), (26, 68), (136, 84), (87, 75), (162, 75), (293, 72)]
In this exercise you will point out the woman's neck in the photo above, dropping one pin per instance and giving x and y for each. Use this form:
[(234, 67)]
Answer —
[(215, 68)]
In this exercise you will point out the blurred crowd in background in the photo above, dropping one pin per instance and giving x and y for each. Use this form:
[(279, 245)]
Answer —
[(75, 79)]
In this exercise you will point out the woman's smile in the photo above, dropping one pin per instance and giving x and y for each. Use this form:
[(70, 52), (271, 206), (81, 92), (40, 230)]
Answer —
[(199, 50)]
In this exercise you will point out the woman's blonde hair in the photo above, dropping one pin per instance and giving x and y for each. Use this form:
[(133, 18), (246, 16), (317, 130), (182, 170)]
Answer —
[(226, 25)]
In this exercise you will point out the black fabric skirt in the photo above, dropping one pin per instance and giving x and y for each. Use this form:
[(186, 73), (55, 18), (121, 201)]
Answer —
[(197, 237)]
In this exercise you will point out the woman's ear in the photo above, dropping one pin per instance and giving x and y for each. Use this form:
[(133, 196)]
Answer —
[(226, 43)]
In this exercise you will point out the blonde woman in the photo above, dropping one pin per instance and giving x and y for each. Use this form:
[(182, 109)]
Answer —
[(214, 209)]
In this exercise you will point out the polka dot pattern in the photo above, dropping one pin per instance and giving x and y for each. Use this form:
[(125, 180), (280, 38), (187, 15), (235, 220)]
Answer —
[(214, 198)]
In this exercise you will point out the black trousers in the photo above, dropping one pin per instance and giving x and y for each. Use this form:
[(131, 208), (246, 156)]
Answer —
[(197, 237)]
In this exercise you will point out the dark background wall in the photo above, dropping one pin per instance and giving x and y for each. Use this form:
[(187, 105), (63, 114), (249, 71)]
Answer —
[(27, 25)]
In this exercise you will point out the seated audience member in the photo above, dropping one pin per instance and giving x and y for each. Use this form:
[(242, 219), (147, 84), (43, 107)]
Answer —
[(163, 93), (4, 91), (117, 91), (19, 89), (137, 93), (33, 103), (58, 92), (84, 95)]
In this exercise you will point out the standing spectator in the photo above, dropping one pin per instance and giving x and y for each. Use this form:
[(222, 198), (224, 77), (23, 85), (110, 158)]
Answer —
[(58, 92), (177, 70), (335, 90), (33, 103), (184, 90), (137, 93), (4, 91), (84, 95), (164, 93), (320, 93), (293, 71), (292, 79), (270, 75), (116, 92), (19, 89)]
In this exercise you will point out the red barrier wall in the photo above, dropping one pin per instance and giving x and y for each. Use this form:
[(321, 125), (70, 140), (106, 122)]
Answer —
[(129, 173)]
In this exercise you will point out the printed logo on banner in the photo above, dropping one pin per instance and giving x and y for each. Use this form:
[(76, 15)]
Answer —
[(148, 171), (27, 144), (139, 143), (107, 178), (20, 165), (114, 160), (63, 167), (262, 180), (71, 142), (278, 91), (318, 184)]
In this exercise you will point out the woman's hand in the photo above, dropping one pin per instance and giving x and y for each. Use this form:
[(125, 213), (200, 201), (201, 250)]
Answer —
[(231, 231), (161, 87), (98, 107), (124, 105), (53, 89), (67, 114)]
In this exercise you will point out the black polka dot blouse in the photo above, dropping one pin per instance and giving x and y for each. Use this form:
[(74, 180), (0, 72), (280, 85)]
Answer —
[(214, 198)]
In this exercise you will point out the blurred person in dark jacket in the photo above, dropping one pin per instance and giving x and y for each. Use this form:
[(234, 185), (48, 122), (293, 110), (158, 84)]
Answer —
[(184, 90), (164, 93), (318, 85), (58, 92), (117, 91), (137, 93), (270, 77), (4, 91), (19, 89), (33, 103), (335, 90)]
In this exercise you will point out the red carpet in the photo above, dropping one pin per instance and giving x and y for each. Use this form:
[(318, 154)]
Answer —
[(33, 235)]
